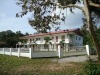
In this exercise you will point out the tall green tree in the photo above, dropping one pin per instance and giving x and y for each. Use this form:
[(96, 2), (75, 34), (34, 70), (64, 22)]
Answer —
[(19, 34), (9, 38), (86, 37), (47, 42), (42, 17)]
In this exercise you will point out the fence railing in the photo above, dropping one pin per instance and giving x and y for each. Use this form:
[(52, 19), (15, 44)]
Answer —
[(42, 49), (24, 52), (31, 53), (28, 52)]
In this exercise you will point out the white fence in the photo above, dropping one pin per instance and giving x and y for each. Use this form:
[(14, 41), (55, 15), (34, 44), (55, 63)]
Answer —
[(45, 54), (28, 52), (24, 52), (75, 51)]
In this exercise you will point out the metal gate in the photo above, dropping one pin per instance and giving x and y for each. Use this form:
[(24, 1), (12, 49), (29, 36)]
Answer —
[(74, 51)]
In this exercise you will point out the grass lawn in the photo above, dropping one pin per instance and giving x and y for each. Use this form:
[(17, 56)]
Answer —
[(11, 65)]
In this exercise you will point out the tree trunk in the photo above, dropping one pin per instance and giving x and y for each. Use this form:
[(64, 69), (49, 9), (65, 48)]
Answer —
[(90, 26), (95, 40)]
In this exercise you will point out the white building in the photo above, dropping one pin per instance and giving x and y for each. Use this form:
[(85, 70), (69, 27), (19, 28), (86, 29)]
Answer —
[(71, 38)]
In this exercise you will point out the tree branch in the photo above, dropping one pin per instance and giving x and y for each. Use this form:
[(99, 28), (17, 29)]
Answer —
[(94, 4), (70, 5)]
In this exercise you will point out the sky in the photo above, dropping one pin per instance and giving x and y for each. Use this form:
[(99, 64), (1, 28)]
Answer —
[(8, 20)]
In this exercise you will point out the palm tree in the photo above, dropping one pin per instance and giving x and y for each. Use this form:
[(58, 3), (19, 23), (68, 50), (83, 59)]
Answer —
[(62, 43), (47, 41)]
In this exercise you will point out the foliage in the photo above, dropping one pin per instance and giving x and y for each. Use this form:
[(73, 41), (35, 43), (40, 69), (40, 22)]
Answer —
[(43, 16), (92, 68), (42, 11), (87, 39), (98, 34), (10, 39), (26, 34), (47, 40), (61, 43)]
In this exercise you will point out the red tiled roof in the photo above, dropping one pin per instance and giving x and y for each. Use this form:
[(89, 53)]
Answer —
[(77, 31)]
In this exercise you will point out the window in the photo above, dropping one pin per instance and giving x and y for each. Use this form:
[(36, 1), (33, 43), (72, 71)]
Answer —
[(63, 37), (56, 38), (79, 38), (30, 40), (37, 39)]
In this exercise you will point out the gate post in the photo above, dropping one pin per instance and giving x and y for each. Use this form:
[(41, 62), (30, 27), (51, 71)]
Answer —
[(3, 51), (10, 52), (19, 52), (87, 49), (60, 52), (30, 52)]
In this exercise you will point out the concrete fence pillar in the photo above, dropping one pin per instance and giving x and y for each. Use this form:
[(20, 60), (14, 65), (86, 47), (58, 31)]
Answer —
[(30, 52), (3, 51), (87, 49), (60, 52), (18, 52), (10, 52)]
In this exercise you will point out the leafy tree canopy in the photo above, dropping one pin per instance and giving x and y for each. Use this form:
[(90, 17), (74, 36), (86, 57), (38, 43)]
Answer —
[(10, 39), (42, 10)]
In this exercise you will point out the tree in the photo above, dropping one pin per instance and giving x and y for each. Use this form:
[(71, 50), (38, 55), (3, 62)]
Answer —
[(62, 43), (86, 37), (19, 34), (26, 34), (42, 14), (47, 41), (9, 38)]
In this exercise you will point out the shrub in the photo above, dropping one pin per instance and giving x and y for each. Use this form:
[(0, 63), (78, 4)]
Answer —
[(92, 68)]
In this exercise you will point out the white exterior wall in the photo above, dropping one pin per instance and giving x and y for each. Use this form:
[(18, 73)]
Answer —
[(42, 41), (68, 39)]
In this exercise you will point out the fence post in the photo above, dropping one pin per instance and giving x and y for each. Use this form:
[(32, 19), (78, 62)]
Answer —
[(60, 52), (3, 51), (10, 52), (87, 49), (30, 52), (18, 52)]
